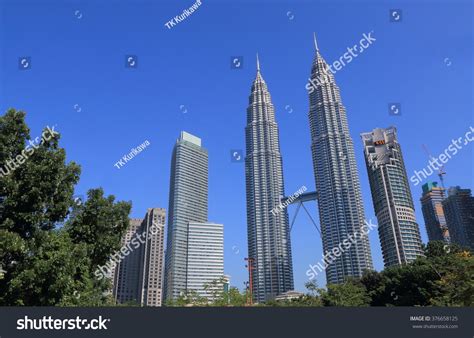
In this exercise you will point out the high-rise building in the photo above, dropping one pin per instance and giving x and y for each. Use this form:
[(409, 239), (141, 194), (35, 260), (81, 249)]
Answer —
[(393, 204), (433, 213), (139, 275), (459, 211), (151, 274), (341, 210), (268, 233), (205, 259), (188, 202), (127, 272)]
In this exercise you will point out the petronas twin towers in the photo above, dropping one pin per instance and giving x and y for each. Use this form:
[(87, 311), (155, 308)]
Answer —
[(341, 211)]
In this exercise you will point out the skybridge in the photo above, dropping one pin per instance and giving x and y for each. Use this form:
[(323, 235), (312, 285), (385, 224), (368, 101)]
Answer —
[(300, 202)]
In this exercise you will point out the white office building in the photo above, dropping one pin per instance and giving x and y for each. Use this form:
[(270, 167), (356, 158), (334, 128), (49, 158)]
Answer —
[(205, 259)]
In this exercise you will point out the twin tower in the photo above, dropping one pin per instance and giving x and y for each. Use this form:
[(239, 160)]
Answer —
[(341, 210)]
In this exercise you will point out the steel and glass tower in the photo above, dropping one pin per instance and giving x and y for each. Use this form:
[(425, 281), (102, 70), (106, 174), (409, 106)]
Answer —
[(459, 210), (433, 212), (268, 233), (188, 202), (393, 203), (341, 211)]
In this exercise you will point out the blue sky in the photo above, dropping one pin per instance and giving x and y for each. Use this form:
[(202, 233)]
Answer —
[(184, 81)]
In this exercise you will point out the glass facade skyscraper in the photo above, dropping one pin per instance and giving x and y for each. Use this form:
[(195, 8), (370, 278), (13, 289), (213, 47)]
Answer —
[(393, 203), (459, 210), (341, 211), (433, 212), (269, 244), (188, 202)]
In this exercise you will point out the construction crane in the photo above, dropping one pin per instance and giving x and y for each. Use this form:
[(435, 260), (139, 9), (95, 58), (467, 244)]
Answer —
[(441, 171), (250, 267)]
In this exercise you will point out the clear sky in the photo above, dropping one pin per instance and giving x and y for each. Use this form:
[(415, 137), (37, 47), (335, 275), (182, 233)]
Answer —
[(78, 81)]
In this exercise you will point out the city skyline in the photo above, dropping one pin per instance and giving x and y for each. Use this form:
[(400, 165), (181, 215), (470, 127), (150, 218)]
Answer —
[(118, 108)]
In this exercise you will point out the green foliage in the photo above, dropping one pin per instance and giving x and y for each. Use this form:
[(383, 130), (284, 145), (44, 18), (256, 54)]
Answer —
[(442, 278), (38, 193), (220, 297), (190, 298), (99, 223), (42, 263), (349, 293), (130, 303), (234, 297)]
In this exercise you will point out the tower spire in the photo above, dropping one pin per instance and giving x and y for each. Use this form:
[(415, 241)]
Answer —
[(315, 42), (258, 64)]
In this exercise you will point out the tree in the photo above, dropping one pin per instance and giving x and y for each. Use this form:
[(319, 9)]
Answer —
[(231, 297), (219, 296), (234, 297), (455, 266), (188, 298), (311, 298), (216, 289), (442, 278), (41, 262), (99, 223), (349, 293)]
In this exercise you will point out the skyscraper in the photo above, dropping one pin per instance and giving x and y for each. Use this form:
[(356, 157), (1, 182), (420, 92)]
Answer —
[(188, 202), (341, 211), (205, 259), (269, 244), (151, 274), (433, 213), (459, 210), (127, 273), (393, 204), (139, 275)]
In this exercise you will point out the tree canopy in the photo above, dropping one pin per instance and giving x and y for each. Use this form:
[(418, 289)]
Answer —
[(42, 262)]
